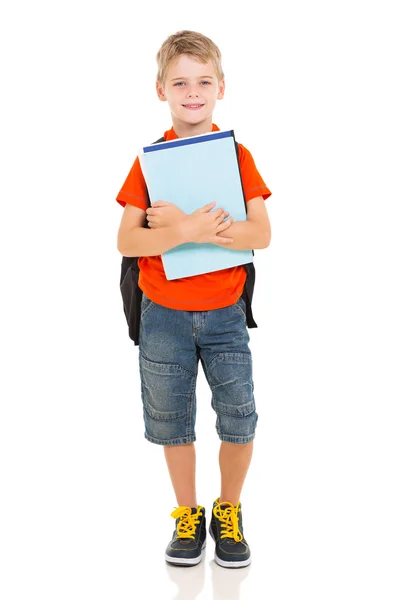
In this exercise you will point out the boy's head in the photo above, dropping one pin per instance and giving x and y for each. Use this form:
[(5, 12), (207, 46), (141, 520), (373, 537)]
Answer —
[(190, 78)]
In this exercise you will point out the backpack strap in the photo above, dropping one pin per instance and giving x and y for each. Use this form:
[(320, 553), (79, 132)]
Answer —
[(248, 289), (129, 286), (146, 224)]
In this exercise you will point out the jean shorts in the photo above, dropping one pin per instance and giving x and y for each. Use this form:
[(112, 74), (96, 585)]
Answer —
[(171, 344)]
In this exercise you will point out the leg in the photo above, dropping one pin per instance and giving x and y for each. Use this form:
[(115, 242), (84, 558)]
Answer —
[(227, 363), (234, 461), (168, 368), (181, 461), (189, 537)]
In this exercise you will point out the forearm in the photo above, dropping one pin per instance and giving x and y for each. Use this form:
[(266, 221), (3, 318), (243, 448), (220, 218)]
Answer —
[(140, 241), (246, 235)]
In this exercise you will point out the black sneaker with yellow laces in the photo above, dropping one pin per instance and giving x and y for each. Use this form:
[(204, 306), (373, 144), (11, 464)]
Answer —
[(226, 529), (189, 538)]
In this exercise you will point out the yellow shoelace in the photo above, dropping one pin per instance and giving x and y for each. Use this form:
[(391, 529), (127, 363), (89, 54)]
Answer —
[(229, 520), (186, 527)]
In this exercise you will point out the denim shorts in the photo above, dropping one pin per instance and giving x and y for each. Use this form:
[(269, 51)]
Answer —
[(171, 344)]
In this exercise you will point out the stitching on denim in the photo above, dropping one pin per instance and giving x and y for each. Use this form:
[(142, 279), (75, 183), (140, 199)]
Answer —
[(190, 408), (174, 442), (165, 364)]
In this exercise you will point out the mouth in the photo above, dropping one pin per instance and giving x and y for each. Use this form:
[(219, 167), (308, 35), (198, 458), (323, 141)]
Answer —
[(193, 106)]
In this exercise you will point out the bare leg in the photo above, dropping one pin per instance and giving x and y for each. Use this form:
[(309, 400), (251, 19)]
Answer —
[(234, 461), (181, 461)]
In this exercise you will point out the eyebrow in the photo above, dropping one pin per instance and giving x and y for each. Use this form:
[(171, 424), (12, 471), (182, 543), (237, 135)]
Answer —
[(201, 77)]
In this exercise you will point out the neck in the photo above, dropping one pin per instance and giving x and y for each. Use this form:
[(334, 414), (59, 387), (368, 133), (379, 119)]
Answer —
[(187, 129)]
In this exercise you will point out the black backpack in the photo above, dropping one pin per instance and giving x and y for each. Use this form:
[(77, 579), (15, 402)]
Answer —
[(132, 294)]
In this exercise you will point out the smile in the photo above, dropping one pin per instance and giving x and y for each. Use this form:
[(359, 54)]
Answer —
[(193, 106)]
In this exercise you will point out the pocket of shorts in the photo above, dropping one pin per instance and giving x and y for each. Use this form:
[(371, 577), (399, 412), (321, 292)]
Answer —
[(167, 389), (230, 376), (240, 307), (147, 304)]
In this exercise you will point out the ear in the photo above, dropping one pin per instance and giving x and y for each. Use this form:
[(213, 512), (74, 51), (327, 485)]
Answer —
[(160, 92), (221, 89)]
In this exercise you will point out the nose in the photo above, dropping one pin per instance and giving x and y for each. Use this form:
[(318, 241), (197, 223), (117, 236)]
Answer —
[(192, 93)]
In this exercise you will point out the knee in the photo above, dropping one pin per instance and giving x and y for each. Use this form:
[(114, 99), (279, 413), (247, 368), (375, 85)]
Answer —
[(236, 423)]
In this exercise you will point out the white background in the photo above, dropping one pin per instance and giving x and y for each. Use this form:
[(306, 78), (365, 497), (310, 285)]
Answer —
[(312, 92)]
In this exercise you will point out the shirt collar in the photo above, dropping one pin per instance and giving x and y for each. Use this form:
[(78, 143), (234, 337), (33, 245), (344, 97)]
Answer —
[(171, 135)]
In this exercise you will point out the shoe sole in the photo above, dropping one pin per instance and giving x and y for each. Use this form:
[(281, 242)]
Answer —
[(229, 564), (185, 562)]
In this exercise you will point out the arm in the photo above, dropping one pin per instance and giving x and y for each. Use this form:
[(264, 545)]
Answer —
[(255, 232), (135, 240), (202, 226)]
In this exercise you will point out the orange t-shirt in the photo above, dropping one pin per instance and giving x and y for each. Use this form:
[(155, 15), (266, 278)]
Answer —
[(199, 292)]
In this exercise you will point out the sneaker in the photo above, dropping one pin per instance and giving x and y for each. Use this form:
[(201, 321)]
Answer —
[(189, 537), (231, 549)]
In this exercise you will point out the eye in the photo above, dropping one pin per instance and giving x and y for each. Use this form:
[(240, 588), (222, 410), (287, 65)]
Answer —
[(180, 83)]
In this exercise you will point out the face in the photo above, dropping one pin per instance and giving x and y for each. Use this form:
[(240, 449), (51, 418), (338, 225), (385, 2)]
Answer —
[(191, 90)]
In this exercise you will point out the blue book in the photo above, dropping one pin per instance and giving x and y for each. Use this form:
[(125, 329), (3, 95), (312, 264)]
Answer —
[(192, 172)]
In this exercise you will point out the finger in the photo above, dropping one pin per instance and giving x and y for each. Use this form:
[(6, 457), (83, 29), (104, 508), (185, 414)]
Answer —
[(160, 203), (217, 214), (225, 224), (208, 207), (221, 240), (204, 209)]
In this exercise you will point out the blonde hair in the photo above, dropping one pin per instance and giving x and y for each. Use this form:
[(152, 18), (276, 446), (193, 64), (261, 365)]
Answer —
[(191, 43)]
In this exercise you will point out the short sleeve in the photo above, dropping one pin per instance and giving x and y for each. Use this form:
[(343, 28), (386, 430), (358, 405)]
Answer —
[(253, 183), (134, 190)]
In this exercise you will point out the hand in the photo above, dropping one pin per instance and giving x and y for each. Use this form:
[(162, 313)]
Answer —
[(163, 214), (202, 226)]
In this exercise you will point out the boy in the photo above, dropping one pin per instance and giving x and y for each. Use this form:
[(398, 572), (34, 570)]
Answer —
[(197, 318)]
